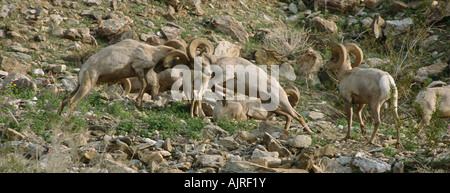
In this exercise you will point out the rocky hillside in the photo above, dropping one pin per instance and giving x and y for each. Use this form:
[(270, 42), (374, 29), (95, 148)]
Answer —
[(43, 44)]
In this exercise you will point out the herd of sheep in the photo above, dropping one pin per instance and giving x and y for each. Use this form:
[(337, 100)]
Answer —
[(153, 69)]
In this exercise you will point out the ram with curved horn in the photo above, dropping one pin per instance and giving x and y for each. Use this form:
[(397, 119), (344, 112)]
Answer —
[(362, 86), (128, 58), (198, 46)]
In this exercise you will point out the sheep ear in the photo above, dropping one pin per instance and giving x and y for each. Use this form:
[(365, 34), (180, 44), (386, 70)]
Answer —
[(338, 57), (354, 49), (175, 57), (201, 43)]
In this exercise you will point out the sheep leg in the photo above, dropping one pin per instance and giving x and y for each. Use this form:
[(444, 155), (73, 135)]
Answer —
[(82, 91), (376, 115), (141, 76), (300, 119), (349, 110), (361, 123), (67, 98)]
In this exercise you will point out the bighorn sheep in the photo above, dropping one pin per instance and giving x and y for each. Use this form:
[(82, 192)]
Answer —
[(284, 107), (125, 59), (162, 80), (244, 109), (428, 98), (362, 86)]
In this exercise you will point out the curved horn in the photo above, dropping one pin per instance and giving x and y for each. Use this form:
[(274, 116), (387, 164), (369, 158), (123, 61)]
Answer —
[(293, 95), (175, 57), (338, 57), (354, 49), (202, 43), (126, 83), (177, 44)]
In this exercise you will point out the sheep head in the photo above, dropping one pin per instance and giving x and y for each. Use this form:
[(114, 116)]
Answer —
[(199, 43), (339, 56), (175, 57)]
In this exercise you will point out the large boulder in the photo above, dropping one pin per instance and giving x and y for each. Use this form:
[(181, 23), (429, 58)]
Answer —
[(11, 64), (227, 49), (230, 26), (308, 64), (264, 56), (114, 24), (322, 25)]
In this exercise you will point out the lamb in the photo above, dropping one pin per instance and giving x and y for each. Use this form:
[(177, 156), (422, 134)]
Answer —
[(125, 59), (427, 100), (362, 86), (278, 94)]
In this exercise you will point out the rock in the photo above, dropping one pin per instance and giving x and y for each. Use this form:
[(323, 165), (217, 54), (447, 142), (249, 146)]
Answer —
[(369, 164), (308, 63), (287, 71), (396, 27), (69, 83), (376, 62), (273, 144), (117, 167), (13, 135), (336, 165), (301, 6), (171, 32), (265, 158), (167, 145), (305, 160), (87, 155), (127, 34), (10, 64), (214, 161), (314, 115), (245, 167), (114, 25), (225, 48), (230, 26), (245, 136), (371, 3), (16, 36), (293, 8), (228, 142), (148, 157), (300, 141), (92, 2), (398, 6), (323, 25), (424, 72), (340, 6), (265, 56), (366, 22), (72, 34), (327, 151), (212, 131), (39, 72)]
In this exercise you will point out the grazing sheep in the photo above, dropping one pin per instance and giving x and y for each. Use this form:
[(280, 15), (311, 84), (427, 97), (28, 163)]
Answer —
[(277, 94), (125, 59), (362, 86), (427, 99), (244, 109)]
